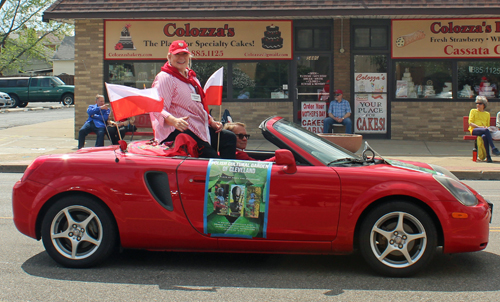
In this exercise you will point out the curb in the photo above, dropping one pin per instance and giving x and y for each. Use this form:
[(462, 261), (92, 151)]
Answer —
[(34, 108)]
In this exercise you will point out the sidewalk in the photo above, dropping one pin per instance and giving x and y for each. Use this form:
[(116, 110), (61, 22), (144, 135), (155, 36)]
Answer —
[(19, 146)]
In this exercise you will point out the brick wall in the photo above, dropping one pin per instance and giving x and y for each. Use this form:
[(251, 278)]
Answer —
[(342, 61), (432, 121), (89, 62)]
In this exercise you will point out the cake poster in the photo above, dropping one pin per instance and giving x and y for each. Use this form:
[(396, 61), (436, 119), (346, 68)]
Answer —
[(206, 39), (370, 113), (312, 115), (237, 198), (446, 38), (370, 82)]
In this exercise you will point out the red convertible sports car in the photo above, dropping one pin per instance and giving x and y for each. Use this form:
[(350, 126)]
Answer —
[(315, 198)]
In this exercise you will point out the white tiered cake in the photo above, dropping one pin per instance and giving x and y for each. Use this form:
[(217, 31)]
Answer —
[(429, 90), (411, 86), (486, 90)]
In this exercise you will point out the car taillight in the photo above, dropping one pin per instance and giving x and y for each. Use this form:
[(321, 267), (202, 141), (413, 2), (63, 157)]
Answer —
[(33, 166)]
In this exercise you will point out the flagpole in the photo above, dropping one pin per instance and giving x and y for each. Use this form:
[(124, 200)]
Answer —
[(218, 139)]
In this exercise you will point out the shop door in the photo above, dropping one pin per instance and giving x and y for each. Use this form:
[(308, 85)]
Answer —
[(313, 90)]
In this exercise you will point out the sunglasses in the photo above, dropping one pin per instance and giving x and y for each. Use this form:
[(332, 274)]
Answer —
[(338, 94), (479, 104), (242, 136)]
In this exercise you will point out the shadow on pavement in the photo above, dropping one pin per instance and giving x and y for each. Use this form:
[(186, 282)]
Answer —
[(209, 271)]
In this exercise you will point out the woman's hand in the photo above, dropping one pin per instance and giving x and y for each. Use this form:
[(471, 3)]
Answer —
[(180, 124), (217, 126)]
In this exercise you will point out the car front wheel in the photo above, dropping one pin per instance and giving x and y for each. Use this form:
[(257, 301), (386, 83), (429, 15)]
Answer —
[(77, 231), (398, 239)]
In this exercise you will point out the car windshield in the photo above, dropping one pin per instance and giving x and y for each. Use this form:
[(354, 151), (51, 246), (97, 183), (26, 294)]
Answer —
[(58, 81), (322, 149)]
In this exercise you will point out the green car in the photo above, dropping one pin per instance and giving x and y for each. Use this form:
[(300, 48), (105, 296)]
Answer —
[(23, 90)]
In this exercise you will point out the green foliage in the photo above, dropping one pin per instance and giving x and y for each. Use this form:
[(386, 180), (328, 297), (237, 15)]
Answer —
[(23, 35)]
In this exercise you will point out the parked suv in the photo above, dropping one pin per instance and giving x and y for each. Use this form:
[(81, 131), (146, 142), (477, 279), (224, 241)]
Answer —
[(23, 90), (5, 100)]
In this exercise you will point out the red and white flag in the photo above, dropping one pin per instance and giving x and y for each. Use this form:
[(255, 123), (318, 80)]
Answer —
[(128, 101), (213, 88)]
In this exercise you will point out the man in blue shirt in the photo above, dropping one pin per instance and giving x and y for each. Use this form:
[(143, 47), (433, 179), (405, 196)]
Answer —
[(98, 115), (338, 113)]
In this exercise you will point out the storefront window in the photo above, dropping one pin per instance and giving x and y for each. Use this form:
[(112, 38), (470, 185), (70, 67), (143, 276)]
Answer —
[(142, 74), (260, 80), (368, 63), (478, 78), (313, 38), (136, 74), (205, 69), (423, 79), (370, 37)]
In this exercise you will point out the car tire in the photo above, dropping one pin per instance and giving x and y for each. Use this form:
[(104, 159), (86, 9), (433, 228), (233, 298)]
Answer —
[(67, 99), (23, 105), (398, 239), (17, 101), (74, 240)]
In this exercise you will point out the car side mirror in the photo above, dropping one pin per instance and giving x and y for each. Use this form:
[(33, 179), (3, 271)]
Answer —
[(285, 158)]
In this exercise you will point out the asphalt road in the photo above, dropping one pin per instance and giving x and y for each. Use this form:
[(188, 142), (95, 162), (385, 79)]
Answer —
[(21, 117), (27, 273)]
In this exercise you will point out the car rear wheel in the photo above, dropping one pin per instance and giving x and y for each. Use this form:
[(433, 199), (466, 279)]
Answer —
[(79, 232), (67, 99), (23, 105), (398, 239)]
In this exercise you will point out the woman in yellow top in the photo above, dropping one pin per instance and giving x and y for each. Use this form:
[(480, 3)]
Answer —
[(479, 121)]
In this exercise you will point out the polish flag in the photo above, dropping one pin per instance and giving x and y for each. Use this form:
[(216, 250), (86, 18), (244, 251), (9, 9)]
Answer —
[(213, 88), (128, 101)]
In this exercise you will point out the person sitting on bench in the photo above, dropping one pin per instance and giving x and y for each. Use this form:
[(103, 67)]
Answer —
[(479, 122), (338, 113)]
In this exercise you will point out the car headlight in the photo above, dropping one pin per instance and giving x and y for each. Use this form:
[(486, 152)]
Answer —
[(443, 171), (457, 189)]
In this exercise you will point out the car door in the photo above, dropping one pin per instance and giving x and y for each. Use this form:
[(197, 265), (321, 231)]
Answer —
[(301, 211), (38, 89)]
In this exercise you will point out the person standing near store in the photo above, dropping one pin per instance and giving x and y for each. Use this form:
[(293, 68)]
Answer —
[(339, 112), (479, 121), (184, 108), (98, 116)]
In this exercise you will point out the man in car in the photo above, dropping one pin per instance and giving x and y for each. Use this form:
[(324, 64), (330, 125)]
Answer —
[(98, 116)]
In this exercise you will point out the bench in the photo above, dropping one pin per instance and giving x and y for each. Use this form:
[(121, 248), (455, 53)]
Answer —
[(143, 125), (143, 122), (468, 137)]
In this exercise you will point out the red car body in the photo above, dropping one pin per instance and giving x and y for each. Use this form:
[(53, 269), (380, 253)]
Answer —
[(317, 209)]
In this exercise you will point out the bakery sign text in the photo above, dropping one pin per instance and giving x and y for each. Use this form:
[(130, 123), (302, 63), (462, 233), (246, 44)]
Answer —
[(446, 38), (207, 39), (171, 30)]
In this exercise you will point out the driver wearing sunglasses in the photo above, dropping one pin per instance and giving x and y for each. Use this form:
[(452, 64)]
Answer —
[(241, 140)]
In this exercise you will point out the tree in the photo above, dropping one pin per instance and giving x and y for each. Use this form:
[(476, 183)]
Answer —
[(23, 34)]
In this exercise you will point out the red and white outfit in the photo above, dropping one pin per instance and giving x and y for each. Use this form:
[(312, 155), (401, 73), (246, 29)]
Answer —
[(177, 101)]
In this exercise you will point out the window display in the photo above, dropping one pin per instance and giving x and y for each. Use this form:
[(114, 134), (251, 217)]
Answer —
[(260, 80), (250, 80), (478, 78), (423, 79)]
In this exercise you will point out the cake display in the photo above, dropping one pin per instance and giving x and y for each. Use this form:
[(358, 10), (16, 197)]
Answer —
[(411, 86), (466, 92), (125, 41), (446, 93), (429, 90), (486, 90), (272, 38)]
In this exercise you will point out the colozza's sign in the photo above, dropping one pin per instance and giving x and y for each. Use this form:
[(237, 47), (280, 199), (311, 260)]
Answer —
[(446, 38), (207, 39)]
